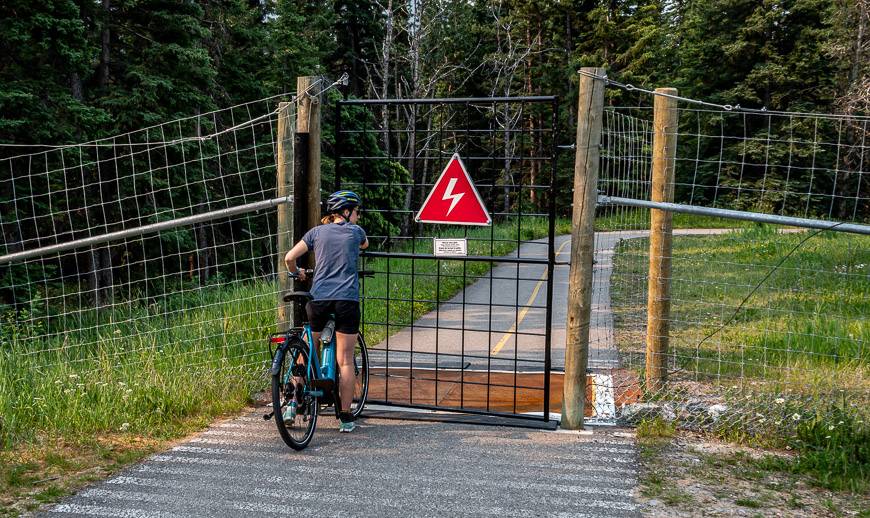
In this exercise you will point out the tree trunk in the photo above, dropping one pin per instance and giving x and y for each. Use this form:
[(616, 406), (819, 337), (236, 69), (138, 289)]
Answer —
[(107, 276), (93, 279), (385, 75), (202, 254), (105, 37)]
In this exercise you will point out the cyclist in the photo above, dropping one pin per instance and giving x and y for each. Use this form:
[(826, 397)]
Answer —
[(335, 290)]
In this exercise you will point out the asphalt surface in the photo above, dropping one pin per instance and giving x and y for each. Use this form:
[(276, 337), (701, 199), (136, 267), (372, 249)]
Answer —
[(384, 468)]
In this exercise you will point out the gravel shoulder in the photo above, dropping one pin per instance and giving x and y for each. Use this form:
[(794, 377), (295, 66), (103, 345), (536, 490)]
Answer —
[(689, 475)]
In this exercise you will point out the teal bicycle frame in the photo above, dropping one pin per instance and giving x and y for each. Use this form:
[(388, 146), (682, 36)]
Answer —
[(325, 367)]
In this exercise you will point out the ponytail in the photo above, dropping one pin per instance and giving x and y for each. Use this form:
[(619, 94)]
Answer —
[(330, 218)]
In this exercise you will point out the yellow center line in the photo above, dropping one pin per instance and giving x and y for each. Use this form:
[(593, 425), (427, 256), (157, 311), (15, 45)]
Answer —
[(522, 314)]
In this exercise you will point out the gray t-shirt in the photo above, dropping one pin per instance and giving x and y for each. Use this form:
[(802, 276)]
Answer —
[(336, 249)]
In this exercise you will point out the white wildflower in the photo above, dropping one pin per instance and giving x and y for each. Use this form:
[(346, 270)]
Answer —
[(124, 427), (779, 400), (73, 376), (831, 427), (796, 417), (827, 437)]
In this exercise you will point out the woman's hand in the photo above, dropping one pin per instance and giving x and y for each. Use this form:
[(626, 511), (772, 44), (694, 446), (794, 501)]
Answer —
[(300, 274)]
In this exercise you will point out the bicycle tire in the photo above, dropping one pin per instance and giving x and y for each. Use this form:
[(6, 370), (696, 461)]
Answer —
[(294, 356), (361, 369)]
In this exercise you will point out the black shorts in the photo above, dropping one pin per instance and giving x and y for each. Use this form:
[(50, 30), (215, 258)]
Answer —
[(346, 315)]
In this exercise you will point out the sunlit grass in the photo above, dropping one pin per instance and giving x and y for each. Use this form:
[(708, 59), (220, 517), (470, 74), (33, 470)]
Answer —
[(812, 312)]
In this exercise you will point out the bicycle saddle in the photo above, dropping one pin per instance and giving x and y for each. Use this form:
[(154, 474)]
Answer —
[(299, 296)]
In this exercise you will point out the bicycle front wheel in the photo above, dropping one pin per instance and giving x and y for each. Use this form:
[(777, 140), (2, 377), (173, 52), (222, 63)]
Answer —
[(292, 387), (361, 376)]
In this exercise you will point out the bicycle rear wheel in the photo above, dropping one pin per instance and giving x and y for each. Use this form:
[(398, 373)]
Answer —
[(361, 374), (292, 383)]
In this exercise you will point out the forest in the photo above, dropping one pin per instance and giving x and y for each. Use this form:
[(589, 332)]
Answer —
[(75, 71)]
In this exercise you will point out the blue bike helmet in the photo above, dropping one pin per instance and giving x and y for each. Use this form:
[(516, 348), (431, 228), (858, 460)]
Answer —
[(340, 200)]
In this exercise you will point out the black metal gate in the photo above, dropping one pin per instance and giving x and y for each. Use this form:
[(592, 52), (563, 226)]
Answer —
[(472, 333)]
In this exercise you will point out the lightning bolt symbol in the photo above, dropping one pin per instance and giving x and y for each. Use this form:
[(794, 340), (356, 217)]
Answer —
[(454, 198)]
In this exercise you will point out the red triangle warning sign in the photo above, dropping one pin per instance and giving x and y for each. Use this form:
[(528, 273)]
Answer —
[(454, 199)]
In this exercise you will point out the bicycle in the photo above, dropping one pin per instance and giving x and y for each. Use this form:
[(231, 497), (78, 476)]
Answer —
[(310, 381)]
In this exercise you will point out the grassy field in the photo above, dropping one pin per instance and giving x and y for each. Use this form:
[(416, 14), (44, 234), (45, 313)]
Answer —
[(810, 314), (83, 392), (793, 362)]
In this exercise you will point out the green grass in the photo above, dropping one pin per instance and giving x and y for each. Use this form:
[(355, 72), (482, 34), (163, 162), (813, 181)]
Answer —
[(656, 428), (793, 363), (809, 316)]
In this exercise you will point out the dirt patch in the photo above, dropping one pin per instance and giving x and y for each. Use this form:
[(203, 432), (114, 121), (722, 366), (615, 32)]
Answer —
[(690, 475)]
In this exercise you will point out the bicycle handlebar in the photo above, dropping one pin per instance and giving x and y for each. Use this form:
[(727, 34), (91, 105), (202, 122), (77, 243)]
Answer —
[(295, 275)]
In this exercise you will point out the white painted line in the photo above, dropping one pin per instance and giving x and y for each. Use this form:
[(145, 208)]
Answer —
[(603, 402), (573, 432), (97, 510)]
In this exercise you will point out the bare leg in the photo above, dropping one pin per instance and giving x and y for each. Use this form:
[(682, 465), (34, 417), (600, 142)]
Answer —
[(346, 344)]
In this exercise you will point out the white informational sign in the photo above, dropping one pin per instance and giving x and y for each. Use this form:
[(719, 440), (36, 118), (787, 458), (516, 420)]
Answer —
[(450, 247)]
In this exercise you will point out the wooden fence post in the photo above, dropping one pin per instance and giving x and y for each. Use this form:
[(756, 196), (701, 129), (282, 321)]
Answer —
[(665, 121), (306, 176), (590, 110), (308, 123), (284, 167)]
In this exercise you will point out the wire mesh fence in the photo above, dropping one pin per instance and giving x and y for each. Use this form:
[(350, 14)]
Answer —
[(152, 324), (769, 326)]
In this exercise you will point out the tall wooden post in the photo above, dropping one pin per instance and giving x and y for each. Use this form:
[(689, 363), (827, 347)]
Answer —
[(590, 110), (285, 183), (308, 123), (306, 168), (665, 121)]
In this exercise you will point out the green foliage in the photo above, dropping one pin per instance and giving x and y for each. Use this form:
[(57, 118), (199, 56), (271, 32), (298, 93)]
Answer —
[(389, 178), (834, 447), (656, 428)]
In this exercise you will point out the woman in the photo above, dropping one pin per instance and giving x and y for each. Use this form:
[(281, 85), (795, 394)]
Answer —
[(335, 290)]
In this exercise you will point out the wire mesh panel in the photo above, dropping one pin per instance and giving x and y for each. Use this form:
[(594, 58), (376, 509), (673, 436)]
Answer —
[(769, 325), (468, 333), (138, 329)]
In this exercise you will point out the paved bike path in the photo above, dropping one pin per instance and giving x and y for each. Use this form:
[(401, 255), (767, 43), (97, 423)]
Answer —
[(385, 468)]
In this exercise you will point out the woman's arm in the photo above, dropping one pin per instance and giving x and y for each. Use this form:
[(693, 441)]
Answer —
[(295, 253)]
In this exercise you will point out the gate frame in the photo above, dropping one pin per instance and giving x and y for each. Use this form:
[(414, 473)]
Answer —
[(550, 262)]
